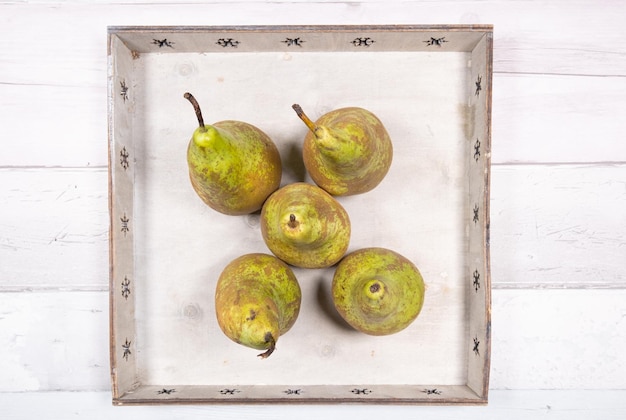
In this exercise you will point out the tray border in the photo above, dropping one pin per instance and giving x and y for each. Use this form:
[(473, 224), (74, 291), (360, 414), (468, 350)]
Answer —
[(136, 393)]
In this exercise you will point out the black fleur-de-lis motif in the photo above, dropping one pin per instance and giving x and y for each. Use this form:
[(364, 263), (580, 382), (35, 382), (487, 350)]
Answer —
[(477, 150), (436, 41), (124, 158), (125, 229), (432, 391), (476, 281), (126, 349), (227, 42), (361, 391), (479, 85), (362, 42), (229, 391), (293, 42), (126, 288), (123, 90), (476, 209), (166, 391), (163, 43), (476, 344), (293, 391)]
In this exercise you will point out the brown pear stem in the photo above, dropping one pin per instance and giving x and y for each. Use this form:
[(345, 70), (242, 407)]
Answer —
[(375, 287), (293, 223), (196, 107), (304, 117), (268, 339)]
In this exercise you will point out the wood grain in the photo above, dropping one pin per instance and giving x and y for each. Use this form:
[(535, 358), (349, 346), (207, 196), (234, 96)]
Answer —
[(541, 339), (53, 229), (558, 226), (578, 241), (562, 105), (519, 405), (558, 200)]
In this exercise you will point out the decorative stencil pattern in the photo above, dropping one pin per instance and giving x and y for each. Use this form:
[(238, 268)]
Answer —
[(294, 42), (433, 391), (363, 42), (477, 150), (476, 345), (293, 391), (124, 158), (227, 42), (166, 391), (479, 86), (361, 391), (126, 349), (476, 210), (163, 43), (126, 288), (125, 220), (124, 90), (229, 391), (436, 41), (476, 281)]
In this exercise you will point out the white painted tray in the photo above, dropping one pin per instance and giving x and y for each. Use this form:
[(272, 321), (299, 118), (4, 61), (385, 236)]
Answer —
[(431, 87)]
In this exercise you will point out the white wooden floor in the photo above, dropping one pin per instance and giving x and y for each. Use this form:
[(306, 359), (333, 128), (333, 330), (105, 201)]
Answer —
[(558, 222)]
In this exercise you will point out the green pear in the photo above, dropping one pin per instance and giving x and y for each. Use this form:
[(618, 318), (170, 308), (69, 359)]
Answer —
[(377, 291), (305, 226), (346, 151), (257, 300), (233, 165)]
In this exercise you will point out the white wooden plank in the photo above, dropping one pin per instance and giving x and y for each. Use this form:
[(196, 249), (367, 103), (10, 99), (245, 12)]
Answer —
[(510, 405), (536, 118), (558, 339), (551, 226), (53, 229), (537, 333), (541, 339), (558, 225), (557, 37), (54, 341), (546, 118)]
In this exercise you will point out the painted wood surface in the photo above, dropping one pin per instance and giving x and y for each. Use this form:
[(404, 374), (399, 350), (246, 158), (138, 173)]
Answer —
[(520, 405), (558, 201), (565, 72), (541, 339), (577, 241)]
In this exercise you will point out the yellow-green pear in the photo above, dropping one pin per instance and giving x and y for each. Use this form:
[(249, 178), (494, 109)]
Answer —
[(305, 226), (346, 151), (257, 300), (233, 165), (377, 291)]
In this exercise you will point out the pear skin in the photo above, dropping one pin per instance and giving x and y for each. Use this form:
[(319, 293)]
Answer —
[(233, 165), (257, 300), (378, 291), (347, 151), (305, 226)]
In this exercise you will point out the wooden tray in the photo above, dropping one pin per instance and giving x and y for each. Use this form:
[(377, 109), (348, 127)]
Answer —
[(431, 87)]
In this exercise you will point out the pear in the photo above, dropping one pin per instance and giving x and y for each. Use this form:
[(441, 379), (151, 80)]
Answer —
[(347, 151), (377, 291), (233, 165), (257, 300), (305, 226)]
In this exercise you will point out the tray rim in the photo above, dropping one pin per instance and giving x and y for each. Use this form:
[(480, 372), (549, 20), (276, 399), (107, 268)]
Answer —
[(482, 398)]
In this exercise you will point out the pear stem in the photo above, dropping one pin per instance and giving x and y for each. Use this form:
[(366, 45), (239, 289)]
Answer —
[(196, 107), (375, 287), (304, 117), (268, 339), (293, 223)]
